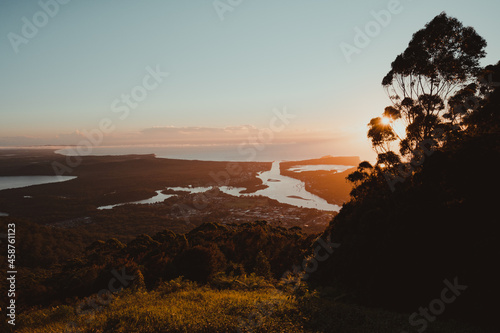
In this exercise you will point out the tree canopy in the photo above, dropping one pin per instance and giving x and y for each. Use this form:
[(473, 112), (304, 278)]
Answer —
[(428, 84)]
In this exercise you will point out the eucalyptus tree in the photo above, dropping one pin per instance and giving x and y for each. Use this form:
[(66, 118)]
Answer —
[(427, 85)]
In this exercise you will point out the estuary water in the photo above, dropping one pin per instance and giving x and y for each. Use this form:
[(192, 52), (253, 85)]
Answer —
[(159, 197), (281, 188), (288, 190)]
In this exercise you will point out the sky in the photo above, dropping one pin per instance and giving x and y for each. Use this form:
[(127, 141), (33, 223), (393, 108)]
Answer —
[(211, 72)]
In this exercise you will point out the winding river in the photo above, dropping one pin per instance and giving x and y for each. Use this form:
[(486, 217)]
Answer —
[(281, 188), (286, 190)]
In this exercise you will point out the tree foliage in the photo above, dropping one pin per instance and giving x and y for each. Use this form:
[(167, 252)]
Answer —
[(429, 83)]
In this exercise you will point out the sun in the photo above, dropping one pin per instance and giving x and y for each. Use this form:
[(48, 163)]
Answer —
[(386, 120)]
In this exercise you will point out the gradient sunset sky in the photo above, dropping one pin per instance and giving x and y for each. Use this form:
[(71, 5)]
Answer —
[(225, 76)]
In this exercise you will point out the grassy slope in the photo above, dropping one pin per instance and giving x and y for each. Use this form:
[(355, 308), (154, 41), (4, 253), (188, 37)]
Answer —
[(201, 309)]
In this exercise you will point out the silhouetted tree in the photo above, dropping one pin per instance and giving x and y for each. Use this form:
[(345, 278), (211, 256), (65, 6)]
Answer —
[(427, 81)]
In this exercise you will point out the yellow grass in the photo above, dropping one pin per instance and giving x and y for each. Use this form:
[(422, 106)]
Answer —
[(192, 309)]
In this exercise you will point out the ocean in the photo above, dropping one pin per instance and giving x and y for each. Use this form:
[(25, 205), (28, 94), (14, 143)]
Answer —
[(239, 153)]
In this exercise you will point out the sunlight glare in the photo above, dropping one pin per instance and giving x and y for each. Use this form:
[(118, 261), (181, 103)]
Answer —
[(386, 120)]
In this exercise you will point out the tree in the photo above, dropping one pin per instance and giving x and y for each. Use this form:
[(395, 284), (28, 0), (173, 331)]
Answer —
[(487, 117), (262, 266), (427, 83), (201, 263)]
